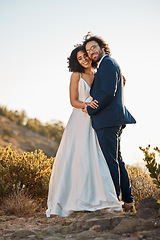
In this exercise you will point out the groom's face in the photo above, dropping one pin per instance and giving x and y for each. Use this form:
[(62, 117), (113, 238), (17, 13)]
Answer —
[(94, 51)]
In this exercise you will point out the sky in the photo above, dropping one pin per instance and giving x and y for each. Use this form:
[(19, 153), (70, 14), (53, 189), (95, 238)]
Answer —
[(37, 37)]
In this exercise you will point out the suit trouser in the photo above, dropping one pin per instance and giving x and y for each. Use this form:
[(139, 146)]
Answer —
[(109, 140)]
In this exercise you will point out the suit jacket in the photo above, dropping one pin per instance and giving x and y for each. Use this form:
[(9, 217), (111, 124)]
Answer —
[(107, 88)]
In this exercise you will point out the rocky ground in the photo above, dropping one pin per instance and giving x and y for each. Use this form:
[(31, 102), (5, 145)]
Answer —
[(98, 225)]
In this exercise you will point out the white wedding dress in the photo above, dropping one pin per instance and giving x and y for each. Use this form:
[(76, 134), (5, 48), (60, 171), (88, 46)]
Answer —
[(80, 178)]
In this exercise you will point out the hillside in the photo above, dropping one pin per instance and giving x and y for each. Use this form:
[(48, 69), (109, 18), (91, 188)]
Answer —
[(23, 139)]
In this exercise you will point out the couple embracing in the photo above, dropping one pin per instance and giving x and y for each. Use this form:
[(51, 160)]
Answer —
[(88, 172)]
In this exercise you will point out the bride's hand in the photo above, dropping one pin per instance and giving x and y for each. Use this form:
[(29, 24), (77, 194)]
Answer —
[(93, 104)]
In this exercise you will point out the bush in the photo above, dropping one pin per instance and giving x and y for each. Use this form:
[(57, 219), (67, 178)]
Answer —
[(52, 130), (142, 186), (19, 117), (151, 164), (19, 203), (28, 171)]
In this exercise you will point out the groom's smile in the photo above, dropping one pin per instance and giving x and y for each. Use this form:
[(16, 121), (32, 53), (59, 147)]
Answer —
[(94, 51)]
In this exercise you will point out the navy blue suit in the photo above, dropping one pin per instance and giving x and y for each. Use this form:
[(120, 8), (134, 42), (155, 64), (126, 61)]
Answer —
[(108, 120)]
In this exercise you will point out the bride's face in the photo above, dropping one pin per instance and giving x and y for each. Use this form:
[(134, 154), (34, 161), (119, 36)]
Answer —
[(83, 59)]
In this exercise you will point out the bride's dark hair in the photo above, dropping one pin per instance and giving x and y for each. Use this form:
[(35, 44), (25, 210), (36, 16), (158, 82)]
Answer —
[(73, 64)]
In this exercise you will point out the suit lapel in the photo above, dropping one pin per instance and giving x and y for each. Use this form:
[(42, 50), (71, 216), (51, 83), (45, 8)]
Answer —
[(96, 74), (93, 82)]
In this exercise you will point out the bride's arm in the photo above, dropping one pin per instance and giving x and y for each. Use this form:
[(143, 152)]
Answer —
[(75, 77)]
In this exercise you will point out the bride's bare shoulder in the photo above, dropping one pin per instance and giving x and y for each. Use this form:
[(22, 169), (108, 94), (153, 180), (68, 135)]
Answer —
[(75, 77)]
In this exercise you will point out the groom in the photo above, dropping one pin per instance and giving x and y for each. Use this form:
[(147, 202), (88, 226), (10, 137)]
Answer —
[(109, 118)]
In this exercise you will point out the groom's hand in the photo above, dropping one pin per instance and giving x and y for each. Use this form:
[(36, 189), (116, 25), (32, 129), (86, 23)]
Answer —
[(93, 104)]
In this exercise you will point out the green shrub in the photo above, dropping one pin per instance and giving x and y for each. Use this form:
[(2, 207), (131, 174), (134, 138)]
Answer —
[(29, 171), (151, 164)]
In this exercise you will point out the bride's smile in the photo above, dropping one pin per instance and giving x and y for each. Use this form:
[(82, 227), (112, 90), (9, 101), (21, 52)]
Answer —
[(83, 59)]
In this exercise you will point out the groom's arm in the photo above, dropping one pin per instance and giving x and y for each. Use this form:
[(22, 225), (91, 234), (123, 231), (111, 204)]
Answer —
[(108, 86)]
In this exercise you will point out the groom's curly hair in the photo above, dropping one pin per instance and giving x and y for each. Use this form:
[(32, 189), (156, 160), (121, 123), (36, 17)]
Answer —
[(73, 64), (99, 40)]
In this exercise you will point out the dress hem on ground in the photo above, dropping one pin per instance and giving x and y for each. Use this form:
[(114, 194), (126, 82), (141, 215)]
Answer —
[(57, 209)]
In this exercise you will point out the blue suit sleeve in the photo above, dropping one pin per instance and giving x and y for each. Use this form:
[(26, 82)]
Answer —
[(108, 77)]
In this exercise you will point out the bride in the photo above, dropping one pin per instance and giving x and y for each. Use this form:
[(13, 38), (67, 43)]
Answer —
[(80, 178)]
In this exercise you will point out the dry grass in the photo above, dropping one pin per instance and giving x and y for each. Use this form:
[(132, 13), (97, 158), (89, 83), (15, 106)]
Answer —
[(19, 204), (142, 185)]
